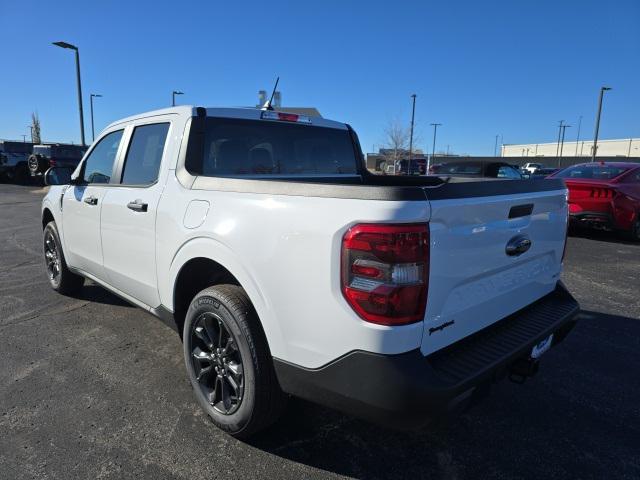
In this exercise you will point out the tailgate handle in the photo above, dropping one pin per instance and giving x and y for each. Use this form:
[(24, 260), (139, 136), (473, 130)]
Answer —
[(521, 210)]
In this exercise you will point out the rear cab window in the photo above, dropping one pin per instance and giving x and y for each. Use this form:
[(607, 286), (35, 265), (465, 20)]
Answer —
[(227, 147)]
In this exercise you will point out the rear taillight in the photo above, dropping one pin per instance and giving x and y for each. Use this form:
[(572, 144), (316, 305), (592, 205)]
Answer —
[(602, 193), (385, 272), (284, 117)]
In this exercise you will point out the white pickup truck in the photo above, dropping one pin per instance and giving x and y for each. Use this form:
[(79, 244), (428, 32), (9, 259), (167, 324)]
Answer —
[(288, 269)]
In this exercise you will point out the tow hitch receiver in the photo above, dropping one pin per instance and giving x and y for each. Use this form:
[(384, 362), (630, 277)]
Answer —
[(522, 369)]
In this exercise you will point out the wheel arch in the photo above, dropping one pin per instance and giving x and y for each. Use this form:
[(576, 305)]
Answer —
[(203, 262), (47, 216)]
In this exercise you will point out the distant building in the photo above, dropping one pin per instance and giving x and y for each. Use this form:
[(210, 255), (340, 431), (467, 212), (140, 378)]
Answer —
[(277, 105), (626, 147)]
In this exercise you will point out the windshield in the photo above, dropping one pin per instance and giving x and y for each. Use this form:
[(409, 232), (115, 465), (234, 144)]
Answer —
[(595, 172), (235, 147)]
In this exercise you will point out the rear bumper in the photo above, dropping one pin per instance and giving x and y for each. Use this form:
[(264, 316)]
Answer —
[(408, 390)]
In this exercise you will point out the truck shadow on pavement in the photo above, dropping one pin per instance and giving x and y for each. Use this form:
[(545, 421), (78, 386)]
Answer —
[(602, 236), (96, 294), (555, 407)]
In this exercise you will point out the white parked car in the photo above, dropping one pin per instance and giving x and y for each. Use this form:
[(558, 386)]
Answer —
[(531, 168), (288, 269)]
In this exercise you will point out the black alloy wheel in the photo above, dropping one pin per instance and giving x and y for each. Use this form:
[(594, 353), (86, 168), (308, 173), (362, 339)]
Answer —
[(52, 257), (217, 363)]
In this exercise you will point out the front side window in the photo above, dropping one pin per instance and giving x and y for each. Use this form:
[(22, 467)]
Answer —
[(98, 167), (142, 163), (234, 147), (508, 172)]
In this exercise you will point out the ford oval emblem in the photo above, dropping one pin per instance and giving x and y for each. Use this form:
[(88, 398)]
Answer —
[(518, 245)]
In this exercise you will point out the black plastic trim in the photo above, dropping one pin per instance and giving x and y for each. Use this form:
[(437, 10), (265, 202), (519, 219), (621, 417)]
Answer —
[(409, 389), (518, 211), (490, 188)]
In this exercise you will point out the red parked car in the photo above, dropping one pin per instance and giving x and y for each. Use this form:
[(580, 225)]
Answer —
[(604, 195)]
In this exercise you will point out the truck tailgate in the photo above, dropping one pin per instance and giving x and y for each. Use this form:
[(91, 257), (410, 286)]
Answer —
[(473, 281)]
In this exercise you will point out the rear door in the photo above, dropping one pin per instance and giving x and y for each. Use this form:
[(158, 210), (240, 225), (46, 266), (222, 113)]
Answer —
[(82, 203), (476, 277), (129, 213)]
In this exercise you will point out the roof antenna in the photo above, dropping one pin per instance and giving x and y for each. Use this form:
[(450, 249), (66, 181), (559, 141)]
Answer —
[(267, 104)]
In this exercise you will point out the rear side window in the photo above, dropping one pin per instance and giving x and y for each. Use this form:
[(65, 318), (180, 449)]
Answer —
[(596, 172), (98, 167), (142, 163), (232, 147)]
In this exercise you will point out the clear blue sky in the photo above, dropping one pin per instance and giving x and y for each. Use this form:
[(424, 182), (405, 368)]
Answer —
[(479, 67)]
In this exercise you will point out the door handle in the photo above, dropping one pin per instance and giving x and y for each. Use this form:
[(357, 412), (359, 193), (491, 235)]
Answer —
[(91, 200), (137, 206)]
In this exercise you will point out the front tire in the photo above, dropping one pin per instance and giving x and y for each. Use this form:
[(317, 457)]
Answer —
[(60, 277), (228, 362)]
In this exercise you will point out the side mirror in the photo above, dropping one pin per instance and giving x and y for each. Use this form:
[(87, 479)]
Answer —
[(58, 176)]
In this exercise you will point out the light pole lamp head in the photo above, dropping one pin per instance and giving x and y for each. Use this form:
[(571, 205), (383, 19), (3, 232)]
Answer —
[(604, 89), (65, 45), (97, 95), (178, 92)]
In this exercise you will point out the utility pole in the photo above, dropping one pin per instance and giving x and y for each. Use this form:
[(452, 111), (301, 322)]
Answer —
[(595, 135), (413, 114), (559, 133), (578, 136), (433, 151), (564, 127), (91, 97), (31, 127), (495, 147)]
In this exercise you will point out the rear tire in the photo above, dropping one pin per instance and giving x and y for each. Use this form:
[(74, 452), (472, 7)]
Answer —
[(60, 277), (21, 174), (229, 363)]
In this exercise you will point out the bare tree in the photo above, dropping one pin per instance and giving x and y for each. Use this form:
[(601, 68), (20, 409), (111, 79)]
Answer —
[(35, 128), (396, 144)]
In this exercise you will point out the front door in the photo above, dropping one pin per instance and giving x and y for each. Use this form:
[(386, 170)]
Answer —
[(129, 216), (81, 206)]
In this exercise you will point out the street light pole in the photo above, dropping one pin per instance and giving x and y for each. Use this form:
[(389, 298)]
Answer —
[(413, 114), (173, 97), (595, 135), (75, 49), (433, 151), (558, 144), (578, 136), (495, 147), (91, 97)]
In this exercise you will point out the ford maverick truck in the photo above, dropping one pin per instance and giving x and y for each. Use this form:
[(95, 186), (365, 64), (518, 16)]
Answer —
[(290, 270)]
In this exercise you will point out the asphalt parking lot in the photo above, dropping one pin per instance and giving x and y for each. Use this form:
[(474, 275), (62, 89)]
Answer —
[(91, 387)]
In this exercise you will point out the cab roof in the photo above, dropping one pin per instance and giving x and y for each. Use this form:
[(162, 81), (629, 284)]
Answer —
[(247, 113)]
